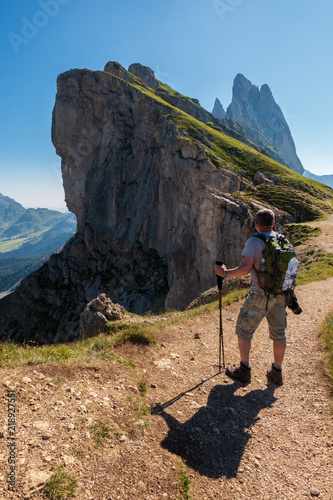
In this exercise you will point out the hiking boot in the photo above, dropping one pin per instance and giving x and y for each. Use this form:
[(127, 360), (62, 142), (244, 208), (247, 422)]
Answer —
[(241, 372), (275, 375)]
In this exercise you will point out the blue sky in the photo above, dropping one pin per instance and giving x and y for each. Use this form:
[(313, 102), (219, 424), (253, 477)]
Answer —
[(195, 46)]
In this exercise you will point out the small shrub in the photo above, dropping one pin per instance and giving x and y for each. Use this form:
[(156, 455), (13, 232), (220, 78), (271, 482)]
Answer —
[(184, 483), (142, 409), (61, 484), (142, 386), (100, 344), (100, 431), (135, 337)]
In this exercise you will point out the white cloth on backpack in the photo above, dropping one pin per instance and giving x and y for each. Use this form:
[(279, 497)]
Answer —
[(290, 274)]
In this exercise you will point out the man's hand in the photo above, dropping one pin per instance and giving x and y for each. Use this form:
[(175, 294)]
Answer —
[(237, 272), (219, 270)]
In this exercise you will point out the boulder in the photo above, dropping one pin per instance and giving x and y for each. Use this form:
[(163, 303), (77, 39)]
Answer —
[(96, 314), (260, 178)]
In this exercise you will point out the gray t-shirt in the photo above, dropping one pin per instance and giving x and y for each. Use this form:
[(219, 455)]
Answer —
[(254, 248)]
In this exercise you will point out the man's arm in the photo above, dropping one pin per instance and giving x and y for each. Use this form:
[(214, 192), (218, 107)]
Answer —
[(236, 272)]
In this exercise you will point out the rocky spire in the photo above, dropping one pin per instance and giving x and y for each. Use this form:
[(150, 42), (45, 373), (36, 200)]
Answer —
[(261, 117), (218, 110)]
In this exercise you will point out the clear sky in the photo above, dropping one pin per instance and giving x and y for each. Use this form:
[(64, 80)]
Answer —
[(195, 46)]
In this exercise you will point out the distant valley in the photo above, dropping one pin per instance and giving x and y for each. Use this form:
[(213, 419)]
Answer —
[(28, 237)]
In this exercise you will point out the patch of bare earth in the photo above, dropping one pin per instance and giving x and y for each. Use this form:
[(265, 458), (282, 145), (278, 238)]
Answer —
[(256, 441)]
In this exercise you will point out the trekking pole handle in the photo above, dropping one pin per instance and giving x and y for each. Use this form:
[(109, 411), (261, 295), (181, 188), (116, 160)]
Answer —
[(219, 278)]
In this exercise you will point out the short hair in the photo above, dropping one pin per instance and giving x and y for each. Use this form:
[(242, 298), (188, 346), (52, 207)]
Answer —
[(265, 217)]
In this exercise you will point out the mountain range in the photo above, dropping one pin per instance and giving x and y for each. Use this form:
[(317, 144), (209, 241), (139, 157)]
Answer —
[(28, 237)]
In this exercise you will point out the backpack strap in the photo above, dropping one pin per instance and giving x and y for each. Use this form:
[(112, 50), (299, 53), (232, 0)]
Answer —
[(261, 237)]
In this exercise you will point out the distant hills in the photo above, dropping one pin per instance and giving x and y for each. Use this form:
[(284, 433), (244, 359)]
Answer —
[(28, 237), (324, 179)]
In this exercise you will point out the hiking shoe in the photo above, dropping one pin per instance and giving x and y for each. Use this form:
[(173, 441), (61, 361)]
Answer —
[(275, 375), (241, 372)]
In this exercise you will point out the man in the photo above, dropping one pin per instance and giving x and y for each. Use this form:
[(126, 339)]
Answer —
[(255, 307)]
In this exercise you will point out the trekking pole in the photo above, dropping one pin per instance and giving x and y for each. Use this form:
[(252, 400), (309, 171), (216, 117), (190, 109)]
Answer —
[(221, 346)]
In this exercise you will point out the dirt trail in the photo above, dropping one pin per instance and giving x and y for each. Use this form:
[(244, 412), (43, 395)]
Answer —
[(325, 240), (236, 442)]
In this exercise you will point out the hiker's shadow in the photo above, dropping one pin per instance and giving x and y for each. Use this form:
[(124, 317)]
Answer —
[(213, 440)]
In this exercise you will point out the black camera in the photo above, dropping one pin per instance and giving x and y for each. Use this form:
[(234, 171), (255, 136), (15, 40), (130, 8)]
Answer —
[(293, 304)]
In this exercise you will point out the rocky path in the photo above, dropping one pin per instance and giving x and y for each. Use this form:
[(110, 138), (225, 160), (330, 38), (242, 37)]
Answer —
[(236, 442)]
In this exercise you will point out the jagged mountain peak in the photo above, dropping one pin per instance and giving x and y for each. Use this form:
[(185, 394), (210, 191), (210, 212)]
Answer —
[(265, 90), (263, 121), (218, 110)]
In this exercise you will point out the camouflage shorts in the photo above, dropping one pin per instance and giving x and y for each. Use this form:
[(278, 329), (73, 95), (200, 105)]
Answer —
[(254, 310)]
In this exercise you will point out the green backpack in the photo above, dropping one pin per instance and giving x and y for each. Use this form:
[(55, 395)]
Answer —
[(277, 255)]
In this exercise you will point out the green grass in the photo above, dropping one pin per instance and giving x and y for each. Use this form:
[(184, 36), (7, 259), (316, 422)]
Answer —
[(184, 483), (296, 203), (94, 350), (129, 332), (61, 485), (315, 265), (298, 233), (10, 244), (228, 152), (100, 431), (142, 386), (165, 90), (142, 409), (327, 336)]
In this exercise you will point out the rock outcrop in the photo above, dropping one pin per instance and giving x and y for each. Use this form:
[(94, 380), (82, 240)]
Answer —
[(153, 213), (261, 117), (96, 314)]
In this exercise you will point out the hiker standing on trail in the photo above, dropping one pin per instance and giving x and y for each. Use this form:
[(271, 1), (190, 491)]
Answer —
[(258, 304)]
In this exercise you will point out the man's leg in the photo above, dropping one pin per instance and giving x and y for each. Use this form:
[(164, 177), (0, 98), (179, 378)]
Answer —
[(250, 316), (244, 346), (279, 348), (243, 371), (277, 324)]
